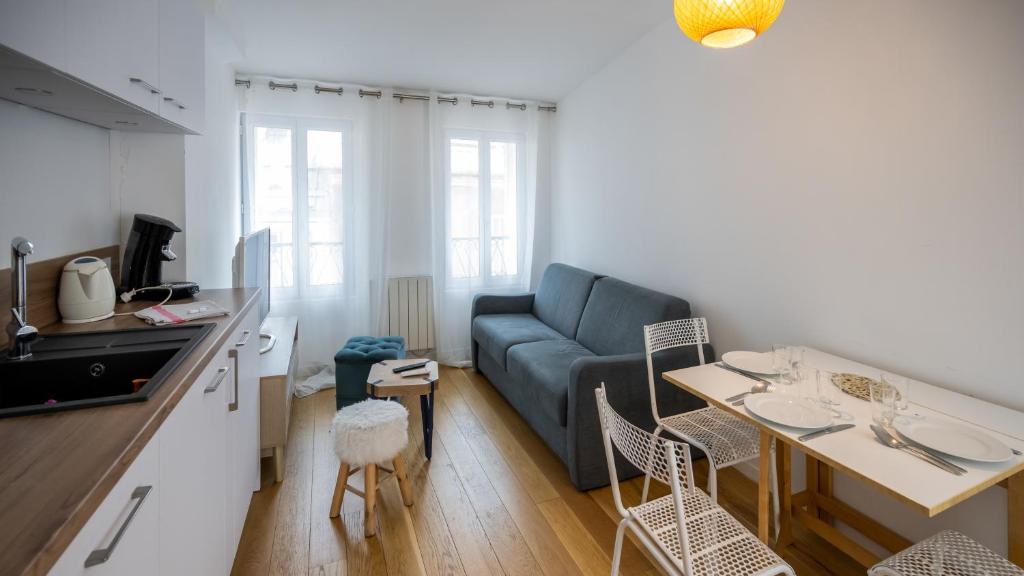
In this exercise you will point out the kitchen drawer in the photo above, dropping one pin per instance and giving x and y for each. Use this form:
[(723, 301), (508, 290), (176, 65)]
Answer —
[(121, 537)]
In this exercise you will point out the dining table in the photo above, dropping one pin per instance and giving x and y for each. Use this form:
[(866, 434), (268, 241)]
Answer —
[(857, 453)]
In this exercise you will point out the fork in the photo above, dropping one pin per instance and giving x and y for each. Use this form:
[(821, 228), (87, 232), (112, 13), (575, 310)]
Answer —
[(892, 442)]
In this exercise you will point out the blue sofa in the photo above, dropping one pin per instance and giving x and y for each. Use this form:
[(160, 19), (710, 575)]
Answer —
[(546, 352)]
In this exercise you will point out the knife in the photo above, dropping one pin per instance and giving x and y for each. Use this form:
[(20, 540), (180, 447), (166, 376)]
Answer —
[(824, 431), (724, 366), (739, 396)]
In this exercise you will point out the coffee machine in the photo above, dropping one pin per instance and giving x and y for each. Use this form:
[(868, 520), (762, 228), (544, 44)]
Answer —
[(148, 247)]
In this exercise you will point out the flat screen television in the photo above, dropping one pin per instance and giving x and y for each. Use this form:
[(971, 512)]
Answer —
[(252, 270)]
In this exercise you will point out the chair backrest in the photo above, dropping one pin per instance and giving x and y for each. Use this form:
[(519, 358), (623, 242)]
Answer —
[(665, 460), (673, 334)]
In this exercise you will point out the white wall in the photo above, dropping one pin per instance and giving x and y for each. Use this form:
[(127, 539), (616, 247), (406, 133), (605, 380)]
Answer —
[(853, 180), (212, 200), (148, 177), (54, 183)]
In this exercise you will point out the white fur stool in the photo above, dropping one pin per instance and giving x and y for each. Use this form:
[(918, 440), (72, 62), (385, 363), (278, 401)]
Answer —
[(365, 435)]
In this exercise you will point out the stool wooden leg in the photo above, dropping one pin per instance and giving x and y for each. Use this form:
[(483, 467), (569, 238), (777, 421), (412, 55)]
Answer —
[(339, 490), (371, 500), (403, 480)]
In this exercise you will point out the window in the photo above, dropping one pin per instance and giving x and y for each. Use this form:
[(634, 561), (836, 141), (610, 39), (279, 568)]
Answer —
[(485, 196), (299, 185)]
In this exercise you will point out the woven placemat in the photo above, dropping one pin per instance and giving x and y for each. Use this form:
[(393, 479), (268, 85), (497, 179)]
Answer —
[(854, 384)]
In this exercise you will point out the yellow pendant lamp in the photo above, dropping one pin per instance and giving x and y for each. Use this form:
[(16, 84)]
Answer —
[(726, 23)]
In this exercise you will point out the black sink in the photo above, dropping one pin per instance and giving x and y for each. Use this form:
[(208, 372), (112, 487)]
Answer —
[(87, 369)]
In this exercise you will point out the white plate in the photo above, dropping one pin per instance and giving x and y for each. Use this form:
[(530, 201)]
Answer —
[(788, 410), (753, 362), (954, 439)]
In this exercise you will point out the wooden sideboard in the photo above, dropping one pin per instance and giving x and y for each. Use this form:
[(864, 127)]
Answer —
[(277, 380)]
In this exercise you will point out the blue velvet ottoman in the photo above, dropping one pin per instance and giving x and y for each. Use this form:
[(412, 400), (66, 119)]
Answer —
[(352, 365)]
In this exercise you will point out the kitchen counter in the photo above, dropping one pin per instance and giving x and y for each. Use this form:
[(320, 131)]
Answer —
[(58, 467)]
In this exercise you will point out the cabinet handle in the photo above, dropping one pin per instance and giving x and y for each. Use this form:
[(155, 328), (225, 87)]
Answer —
[(101, 555), (245, 338), (173, 101), (221, 374), (233, 405), (152, 89)]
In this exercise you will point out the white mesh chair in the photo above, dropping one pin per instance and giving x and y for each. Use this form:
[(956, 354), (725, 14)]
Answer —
[(686, 531), (723, 438), (948, 553)]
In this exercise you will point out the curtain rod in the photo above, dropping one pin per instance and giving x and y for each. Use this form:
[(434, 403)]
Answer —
[(400, 96)]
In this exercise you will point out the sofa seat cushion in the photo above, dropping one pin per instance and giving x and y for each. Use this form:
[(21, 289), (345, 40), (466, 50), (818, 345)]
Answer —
[(542, 369), (496, 333)]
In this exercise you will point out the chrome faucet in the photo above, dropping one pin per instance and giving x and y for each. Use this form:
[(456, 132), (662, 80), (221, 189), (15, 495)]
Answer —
[(19, 333)]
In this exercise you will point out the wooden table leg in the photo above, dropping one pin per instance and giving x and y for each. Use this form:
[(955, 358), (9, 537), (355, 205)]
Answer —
[(825, 489), (764, 516), (785, 477), (1015, 508), (811, 474)]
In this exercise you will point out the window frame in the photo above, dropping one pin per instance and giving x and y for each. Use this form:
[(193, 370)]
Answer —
[(300, 126), (484, 139)]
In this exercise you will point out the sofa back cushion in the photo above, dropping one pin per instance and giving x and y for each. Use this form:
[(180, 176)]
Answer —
[(616, 313), (561, 297)]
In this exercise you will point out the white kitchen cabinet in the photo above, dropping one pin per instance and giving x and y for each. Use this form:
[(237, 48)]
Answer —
[(182, 63), (192, 511), (122, 536), (35, 28), (214, 551), (191, 486), (243, 434), (113, 45)]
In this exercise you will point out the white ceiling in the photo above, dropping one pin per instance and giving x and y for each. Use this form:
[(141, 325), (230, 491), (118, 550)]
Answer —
[(531, 49)]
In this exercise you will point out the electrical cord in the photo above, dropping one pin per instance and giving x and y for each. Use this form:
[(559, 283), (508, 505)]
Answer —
[(126, 297)]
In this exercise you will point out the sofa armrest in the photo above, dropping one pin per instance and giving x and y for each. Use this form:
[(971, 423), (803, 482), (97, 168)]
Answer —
[(628, 392), (495, 304), (501, 304)]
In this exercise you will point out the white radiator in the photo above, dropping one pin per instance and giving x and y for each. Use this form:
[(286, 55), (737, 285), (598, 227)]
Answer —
[(411, 311)]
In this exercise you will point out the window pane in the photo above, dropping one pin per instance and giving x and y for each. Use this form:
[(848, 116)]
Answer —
[(324, 189), (464, 216), (504, 221), (272, 198)]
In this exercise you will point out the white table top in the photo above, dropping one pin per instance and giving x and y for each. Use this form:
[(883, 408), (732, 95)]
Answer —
[(858, 453)]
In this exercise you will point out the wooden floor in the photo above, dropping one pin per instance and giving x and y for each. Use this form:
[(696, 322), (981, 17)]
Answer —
[(494, 500)]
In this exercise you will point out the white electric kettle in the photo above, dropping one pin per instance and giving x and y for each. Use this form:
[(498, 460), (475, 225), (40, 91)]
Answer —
[(86, 291)]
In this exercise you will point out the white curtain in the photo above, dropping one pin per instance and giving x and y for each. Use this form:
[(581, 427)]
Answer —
[(453, 297), (329, 316)]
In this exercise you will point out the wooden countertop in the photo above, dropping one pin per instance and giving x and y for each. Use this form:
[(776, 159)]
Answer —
[(57, 468)]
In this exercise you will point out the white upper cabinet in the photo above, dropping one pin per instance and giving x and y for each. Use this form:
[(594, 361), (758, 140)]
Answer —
[(112, 44), (107, 62), (182, 63), (35, 28)]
